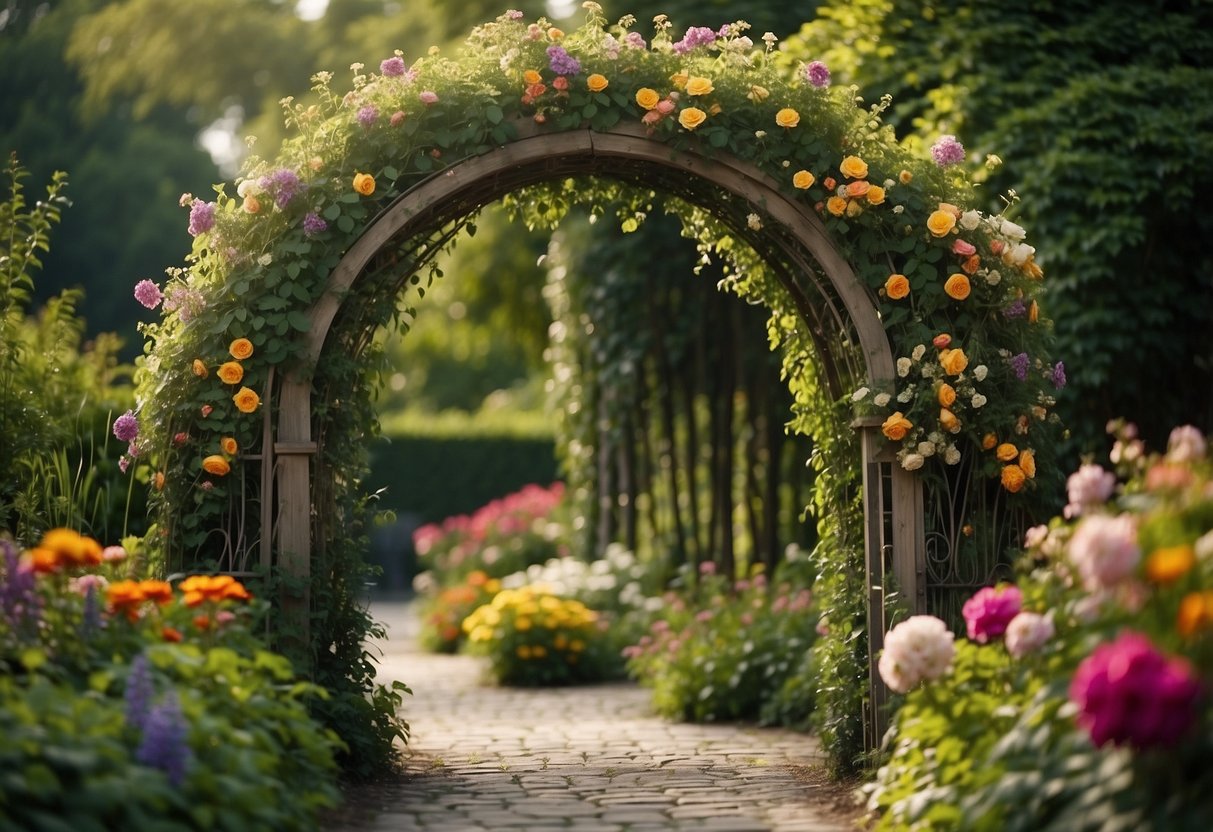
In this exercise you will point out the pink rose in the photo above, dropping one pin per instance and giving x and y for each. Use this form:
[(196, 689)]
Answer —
[(1104, 550), (665, 106), (1028, 632), (990, 610), (962, 248)]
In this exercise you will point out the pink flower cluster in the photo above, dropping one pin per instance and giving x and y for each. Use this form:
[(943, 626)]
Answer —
[(1104, 550), (916, 650), (988, 613), (509, 515)]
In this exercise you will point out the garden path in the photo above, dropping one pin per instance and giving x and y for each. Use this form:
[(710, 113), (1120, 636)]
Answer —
[(587, 759)]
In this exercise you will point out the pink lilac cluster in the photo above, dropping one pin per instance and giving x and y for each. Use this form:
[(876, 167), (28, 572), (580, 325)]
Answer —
[(990, 610), (1087, 488), (916, 650), (1028, 632), (696, 36), (947, 151), (817, 74), (202, 217), (1104, 550), (561, 62), (634, 40), (314, 224), (126, 427), (148, 294), (367, 116), (1186, 444), (1128, 693), (283, 185), (392, 67), (186, 302)]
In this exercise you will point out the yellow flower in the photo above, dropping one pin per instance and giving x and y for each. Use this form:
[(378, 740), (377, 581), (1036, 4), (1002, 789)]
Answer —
[(539, 651), (803, 179), (787, 117), (897, 286), (596, 82), (531, 77), (230, 372), (758, 94), (896, 426), (1006, 452), (1169, 564), (229, 445), (241, 349), (679, 79), (905, 177), (692, 117), (854, 208), (853, 167), (554, 33), (957, 287), (364, 183), (940, 223), (216, 465), (699, 86), (876, 195), (1027, 461), (953, 361), (1012, 478), (948, 421), (246, 400), (945, 395), (576, 645), (523, 651), (988, 441), (836, 205), (199, 368), (647, 98), (522, 624)]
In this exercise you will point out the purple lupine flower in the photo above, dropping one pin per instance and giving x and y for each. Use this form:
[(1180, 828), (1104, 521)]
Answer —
[(126, 427), (91, 623), (202, 217), (947, 151), (368, 115), (19, 601), (139, 691), (1019, 363), (392, 67), (695, 36), (1015, 309), (148, 294), (313, 224), (1059, 375), (634, 40), (283, 184), (817, 74), (164, 743), (561, 62)]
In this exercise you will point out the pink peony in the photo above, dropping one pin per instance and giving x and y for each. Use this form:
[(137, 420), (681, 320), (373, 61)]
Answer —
[(917, 649), (1104, 550), (1186, 444), (1028, 632), (1128, 693), (989, 611), (1088, 487)]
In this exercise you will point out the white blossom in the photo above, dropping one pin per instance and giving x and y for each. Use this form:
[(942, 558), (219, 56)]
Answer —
[(860, 394), (912, 462), (903, 367), (881, 399), (979, 400), (980, 372), (993, 277), (952, 455), (1011, 231), (919, 352), (969, 220), (926, 449)]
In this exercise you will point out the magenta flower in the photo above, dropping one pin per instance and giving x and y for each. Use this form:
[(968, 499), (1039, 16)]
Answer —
[(947, 151), (1128, 693), (392, 67), (988, 612), (202, 217), (126, 427), (817, 74), (148, 294)]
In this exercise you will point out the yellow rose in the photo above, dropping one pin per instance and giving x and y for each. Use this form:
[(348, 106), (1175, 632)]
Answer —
[(854, 208), (836, 205), (905, 177), (957, 287), (531, 77), (758, 94), (896, 427), (230, 372), (875, 195), (692, 117), (953, 361), (1007, 452), (853, 167), (246, 400), (787, 117), (229, 445), (948, 421), (679, 79), (897, 286), (940, 223), (988, 441), (596, 82), (1027, 461), (699, 86), (647, 98), (1012, 478), (364, 183), (241, 348), (946, 395), (216, 465), (199, 368), (802, 179)]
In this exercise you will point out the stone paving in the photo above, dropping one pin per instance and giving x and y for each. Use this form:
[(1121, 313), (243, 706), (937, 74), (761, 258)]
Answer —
[(589, 759)]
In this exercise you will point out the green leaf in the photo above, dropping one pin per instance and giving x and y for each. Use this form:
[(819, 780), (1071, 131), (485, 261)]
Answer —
[(493, 114), (332, 212), (345, 223), (390, 172), (298, 320)]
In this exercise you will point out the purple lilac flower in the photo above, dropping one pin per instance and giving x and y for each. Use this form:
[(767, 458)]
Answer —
[(1015, 309), (19, 602), (164, 743), (634, 40), (817, 74), (695, 36), (186, 302), (368, 115), (283, 184), (1059, 375), (148, 294), (1019, 363), (313, 224), (392, 67), (202, 217), (139, 690), (126, 427), (1128, 693), (561, 62), (988, 612), (947, 151)]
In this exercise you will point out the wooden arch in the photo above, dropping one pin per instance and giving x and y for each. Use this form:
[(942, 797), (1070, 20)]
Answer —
[(894, 535)]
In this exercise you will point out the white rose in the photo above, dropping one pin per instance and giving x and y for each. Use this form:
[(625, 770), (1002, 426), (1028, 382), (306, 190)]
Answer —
[(979, 400), (993, 277), (903, 367), (912, 462), (881, 399), (1020, 253), (1012, 231), (969, 220), (951, 455), (897, 209), (980, 372), (860, 394), (929, 370), (926, 449)]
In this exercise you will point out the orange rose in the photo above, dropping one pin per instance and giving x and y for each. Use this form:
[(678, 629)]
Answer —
[(945, 395), (1027, 461), (950, 208), (158, 480), (897, 286), (787, 117), (229, 445), (531, 77), (1034, 312), (853, 167), (941, 223), (953, 362), (1012, 478), (246, 400), (216, 465), (957, 287), (836, 205), (692, 117), (364, 183), (647, 98), (896, 427), (230, 372), (1195, 612), (803, 179), (596, 82), (1167, 565), (988, 441), (1006, 452), (251, 204), (875, 195), (199, 368), (905, 177), (971, 265), (554, 33), (699, 86), (948, 421), (858, 188), (241, 349)]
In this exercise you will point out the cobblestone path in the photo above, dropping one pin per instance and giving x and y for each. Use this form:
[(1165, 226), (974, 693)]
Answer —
[(588, 759)]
